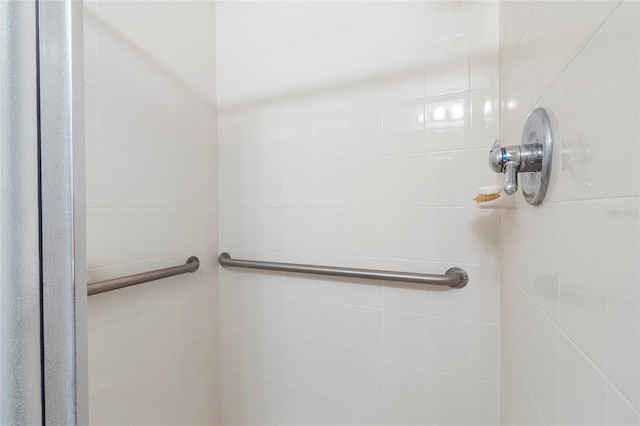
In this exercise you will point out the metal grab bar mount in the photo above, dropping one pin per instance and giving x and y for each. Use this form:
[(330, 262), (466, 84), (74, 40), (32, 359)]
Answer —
[(454, 277), (192, 265)]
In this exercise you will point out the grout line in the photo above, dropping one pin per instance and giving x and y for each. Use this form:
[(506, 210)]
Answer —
[(575, 346), (346, 352), (563, 70), (524, 380)]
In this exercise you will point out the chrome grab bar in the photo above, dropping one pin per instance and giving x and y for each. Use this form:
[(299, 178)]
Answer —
[(454, 277), (192, 265)]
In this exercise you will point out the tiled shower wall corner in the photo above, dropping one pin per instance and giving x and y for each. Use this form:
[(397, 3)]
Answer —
[(151, 203), (570, 274), (355, 134)]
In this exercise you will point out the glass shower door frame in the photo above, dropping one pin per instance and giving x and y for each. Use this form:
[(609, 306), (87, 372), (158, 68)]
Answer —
[(62, 188), (43, 336)]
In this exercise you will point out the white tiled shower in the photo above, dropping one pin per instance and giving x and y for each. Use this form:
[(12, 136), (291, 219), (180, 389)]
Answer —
[(151, 203), (570, 318), (344, 160), (356, 134)]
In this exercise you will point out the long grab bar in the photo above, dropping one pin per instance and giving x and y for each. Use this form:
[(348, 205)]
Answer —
[(454, 277), (192, 265)]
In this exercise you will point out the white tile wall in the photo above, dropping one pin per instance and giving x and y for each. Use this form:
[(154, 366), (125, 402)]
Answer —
[(355, 134), (570, 280), (151, 203), (346, 139)]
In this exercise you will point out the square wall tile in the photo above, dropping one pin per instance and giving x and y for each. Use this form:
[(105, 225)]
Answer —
[(157, 133), (446, 65), (581, 388), (404, 391), (121, 400), (403, 127), (159, 380), (117, 123), (117, 64), (121, 347), (448, 346), (119, 236), (404, 338), (447, 399), (121, 188)]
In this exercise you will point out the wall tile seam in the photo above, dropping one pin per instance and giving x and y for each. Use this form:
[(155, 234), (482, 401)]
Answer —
[(562, 333), (558, 204), (334, 396), (141, 364), (346, 111), (469, 92), (334, 111), (326, 207), (474, 149), (359, 355), (98, 150), (523, 378), (211, 370), (174, 395), (322, 161), (579, 51), (136, 44), (509, 60), (561, 72), (119, 376), (313, 117), (534, 303), (352, 401), (203, 103), (203, 338), (148, 157), (147, 210), (285, 383), (286, 340), (622, 396), (146, 310), (136, 100), (348, 305), (430, 370), (502, 403), (616, 198)]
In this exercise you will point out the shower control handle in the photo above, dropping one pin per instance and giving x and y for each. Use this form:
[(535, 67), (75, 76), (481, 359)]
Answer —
[(511, 177), (512, 160)]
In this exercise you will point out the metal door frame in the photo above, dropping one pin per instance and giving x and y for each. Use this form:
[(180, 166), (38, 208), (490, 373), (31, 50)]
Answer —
[(62, 188), (43, 262)]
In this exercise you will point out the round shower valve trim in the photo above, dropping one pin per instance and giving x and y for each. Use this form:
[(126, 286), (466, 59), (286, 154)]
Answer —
[(531, 159)]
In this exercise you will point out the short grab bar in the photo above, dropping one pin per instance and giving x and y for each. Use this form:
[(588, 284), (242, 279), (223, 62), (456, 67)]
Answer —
[(192, 265), (454, 277)]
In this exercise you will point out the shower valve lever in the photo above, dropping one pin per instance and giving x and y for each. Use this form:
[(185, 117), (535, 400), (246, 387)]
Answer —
[(512, 160), (510, 177)]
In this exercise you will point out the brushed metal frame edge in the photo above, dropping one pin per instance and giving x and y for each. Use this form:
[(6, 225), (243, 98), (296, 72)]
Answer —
[(62, 186)]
